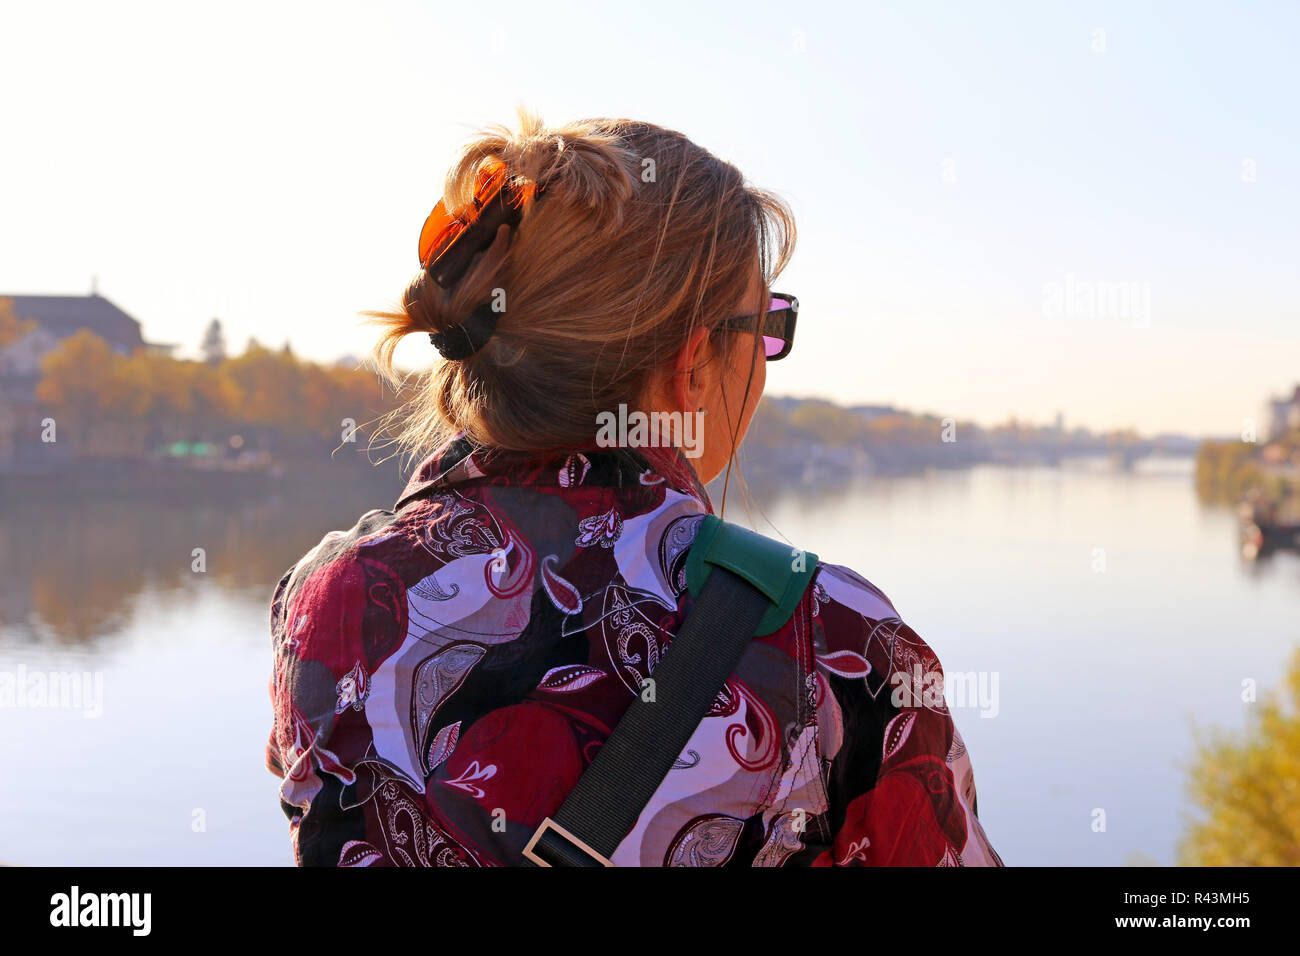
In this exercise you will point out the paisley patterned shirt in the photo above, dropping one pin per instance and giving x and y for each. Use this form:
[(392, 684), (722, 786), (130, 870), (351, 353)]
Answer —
[(445, 671)]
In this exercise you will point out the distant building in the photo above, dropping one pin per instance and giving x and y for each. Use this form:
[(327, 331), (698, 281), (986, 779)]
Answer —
[(64, 315), (1286, 414), (57, 318), (22, 358)]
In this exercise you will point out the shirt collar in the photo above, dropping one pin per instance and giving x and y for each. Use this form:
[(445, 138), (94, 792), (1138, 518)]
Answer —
[(459, 461)]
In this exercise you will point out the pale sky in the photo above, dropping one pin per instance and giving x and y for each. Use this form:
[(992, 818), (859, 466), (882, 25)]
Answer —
[(955, 168)]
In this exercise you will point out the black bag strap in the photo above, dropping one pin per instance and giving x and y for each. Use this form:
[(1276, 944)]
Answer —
[(604, 805)]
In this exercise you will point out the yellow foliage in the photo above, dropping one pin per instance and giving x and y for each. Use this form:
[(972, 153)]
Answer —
[(1249, 788), (1226, 470), (12, 328), (80, 373), (93, 388)]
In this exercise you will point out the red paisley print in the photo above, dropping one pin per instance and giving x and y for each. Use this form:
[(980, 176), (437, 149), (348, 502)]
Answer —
[(445, 671)]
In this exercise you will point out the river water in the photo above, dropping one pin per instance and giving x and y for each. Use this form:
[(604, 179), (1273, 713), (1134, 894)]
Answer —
[(1105, 616)]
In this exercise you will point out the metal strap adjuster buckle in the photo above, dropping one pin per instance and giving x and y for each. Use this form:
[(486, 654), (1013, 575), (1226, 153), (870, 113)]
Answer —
[(551, 825)]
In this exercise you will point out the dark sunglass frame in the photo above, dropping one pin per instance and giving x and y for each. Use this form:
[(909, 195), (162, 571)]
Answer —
[(776, 324)]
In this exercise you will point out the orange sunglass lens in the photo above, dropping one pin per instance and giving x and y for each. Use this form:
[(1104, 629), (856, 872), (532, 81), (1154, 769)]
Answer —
[(442, 227), (489, 178), (436, 230)]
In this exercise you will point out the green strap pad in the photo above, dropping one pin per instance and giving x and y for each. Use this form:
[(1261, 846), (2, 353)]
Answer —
[(777, 570)]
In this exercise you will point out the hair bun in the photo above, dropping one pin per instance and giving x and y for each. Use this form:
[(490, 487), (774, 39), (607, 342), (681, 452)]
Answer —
[(633, 238)]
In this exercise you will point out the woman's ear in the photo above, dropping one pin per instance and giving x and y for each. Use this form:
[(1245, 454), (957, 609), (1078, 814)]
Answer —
[(690, 378)]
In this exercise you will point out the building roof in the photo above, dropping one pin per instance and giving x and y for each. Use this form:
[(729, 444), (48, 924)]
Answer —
[(64, 315)]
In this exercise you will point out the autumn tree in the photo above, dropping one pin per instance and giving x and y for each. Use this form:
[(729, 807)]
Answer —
[(132, 404), (1248, 787), (82, 384), (271, 384), (12, 328), (216, 401)]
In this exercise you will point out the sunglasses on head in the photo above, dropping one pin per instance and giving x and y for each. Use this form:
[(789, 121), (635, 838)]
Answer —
[(776, 325), (450, 239)]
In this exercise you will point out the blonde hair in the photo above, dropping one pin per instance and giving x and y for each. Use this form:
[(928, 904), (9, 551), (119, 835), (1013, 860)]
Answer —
[(639, 237)]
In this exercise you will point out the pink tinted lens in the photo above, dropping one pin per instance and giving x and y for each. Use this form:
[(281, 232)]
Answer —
[(772, 345)]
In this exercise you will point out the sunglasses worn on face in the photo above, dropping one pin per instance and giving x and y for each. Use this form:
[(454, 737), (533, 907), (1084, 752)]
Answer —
[(777, 325)]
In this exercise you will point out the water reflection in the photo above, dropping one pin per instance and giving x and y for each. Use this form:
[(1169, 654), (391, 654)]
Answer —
[(1101, 675), (74, 567)]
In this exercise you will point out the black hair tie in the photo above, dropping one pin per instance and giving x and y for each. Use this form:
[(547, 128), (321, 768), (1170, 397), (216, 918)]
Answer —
[(463, 340)]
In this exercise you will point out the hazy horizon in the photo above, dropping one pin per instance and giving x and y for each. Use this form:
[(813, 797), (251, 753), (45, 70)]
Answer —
[(186, 351), (1002, 212)]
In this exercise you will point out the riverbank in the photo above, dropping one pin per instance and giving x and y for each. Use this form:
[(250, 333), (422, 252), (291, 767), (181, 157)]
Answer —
[(174, 479)]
